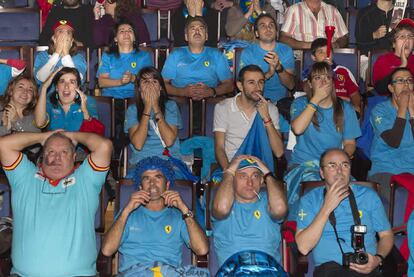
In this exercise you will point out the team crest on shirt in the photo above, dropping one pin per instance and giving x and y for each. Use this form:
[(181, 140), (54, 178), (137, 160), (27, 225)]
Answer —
[(133, 64), (340, 77), (168, 229), (68, 182), (257, 214), (378, 119), (206, 63)]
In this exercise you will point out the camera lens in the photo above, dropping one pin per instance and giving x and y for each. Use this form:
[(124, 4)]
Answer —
[(361, 258)]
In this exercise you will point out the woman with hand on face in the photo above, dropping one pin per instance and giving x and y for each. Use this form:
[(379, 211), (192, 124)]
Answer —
[(67, 107), (320, 120), (62, 51), (402, 56), (17, 106), (393, 124), (153, 123)]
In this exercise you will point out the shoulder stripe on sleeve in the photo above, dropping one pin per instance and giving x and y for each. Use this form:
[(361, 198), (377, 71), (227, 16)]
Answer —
[(15, 164), (95, 167)]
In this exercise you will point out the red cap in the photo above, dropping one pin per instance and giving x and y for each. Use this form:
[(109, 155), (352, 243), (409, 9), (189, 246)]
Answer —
[(18, 64), (405, 21), (62, 23)]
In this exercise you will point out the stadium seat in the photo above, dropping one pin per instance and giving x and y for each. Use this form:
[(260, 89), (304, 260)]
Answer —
[(19, 26)]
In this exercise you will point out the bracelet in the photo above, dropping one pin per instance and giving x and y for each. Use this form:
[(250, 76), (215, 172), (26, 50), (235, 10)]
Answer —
[(146, 114), (231, 172), (270, 173), (313, 105), (381, 257), (267, 121)]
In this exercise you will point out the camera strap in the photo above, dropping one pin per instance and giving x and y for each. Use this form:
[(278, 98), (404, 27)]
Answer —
[(355, 215)]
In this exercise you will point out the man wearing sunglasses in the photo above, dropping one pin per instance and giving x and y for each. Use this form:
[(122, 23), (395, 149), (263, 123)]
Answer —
[(54, 203), (333, 218)]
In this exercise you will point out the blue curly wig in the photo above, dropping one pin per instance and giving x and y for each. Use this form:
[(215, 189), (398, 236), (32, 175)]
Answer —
[(154, 163)]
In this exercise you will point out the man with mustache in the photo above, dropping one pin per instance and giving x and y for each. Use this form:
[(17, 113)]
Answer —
[(246, 221), (197, 71), (233, 117), (327, 215), (151, 229), (54, 203)]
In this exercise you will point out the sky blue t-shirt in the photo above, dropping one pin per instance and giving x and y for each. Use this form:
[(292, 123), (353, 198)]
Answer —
[(153, 236), (410, 230), (371, 212), (184, 68), (53, 227), (248, 227), (313, 142), (153, 145), (254, 54), (385, 158), (5, 77), (43, 57), (117, 66), (72, 120)]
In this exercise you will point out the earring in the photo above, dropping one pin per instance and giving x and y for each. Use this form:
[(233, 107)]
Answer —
[(57, 96), (77, 96)]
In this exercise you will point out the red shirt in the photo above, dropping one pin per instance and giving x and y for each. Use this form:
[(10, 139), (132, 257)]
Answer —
[(386, 63), (345, 83)]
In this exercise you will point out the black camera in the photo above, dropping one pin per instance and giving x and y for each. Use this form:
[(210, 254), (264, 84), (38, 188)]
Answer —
[(359, 256)]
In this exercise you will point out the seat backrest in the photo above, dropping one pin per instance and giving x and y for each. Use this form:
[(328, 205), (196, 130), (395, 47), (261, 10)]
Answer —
[(396, 208), (154, 52), (372, 58), (351, 15), (207, 120), (106, 113), (185, 106), (5, 191), (20, 24)]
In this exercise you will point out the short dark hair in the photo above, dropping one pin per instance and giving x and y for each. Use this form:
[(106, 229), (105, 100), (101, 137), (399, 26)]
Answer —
[(400, 28), (330, 150), (191, 19), (55, 95), (249, 68), (396, 70), (318, 43), (263, 15)]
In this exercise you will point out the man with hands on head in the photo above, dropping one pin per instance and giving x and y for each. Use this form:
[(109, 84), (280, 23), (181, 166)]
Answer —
[(246, 221), (327, 217), (54, 203), (150, 230), (233, 117), (274, 58)]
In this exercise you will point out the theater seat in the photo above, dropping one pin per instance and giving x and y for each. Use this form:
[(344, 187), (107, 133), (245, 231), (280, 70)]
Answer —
[(19, 26)]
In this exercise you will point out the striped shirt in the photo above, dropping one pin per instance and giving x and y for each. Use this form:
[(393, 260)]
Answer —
[(301, 24)]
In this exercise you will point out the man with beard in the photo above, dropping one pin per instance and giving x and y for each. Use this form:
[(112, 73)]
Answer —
[(274, 58), (233, 117), (54, 203), (197, 71), (81, 16), (327, 218), (150, 230)]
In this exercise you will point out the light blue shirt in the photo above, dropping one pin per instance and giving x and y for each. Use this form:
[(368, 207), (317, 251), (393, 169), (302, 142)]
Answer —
[(371, 212), (254, 54), (117, 66), (43, 57), (313, 142), (72, 120), (53, 227), (153, 145), (385, 158), (153, 236), (5, 77), (184, 68), (247, 227)]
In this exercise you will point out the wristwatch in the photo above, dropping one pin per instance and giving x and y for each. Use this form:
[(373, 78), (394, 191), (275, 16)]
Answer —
[(188, 214), (281, 69)]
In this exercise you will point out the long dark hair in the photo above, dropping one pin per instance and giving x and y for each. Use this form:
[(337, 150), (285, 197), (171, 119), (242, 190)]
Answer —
[(337, 105), (149, 72), (6, 98), (113, 47), (54, 96)]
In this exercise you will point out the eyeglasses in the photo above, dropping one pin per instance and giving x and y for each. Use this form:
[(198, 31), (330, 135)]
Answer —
[(401, 81), (334, 166), (404, 37), (320, 77)]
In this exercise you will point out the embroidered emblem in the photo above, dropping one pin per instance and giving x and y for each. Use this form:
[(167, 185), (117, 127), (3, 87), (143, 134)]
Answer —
[(301, 214), (69, 182), (360, 214), (257, 214), (206, 63), (63, 22), (378, 119), (168, 229), (133, 64)]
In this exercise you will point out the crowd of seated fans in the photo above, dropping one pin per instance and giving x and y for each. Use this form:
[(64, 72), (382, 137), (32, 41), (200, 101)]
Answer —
[(266, 111)]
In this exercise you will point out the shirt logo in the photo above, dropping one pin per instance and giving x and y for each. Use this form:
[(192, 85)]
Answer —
[(69, 182), (206, 63), (257, 214), (301, 214), (168, 229), (378, 119), (133, 64), (340, 77)]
